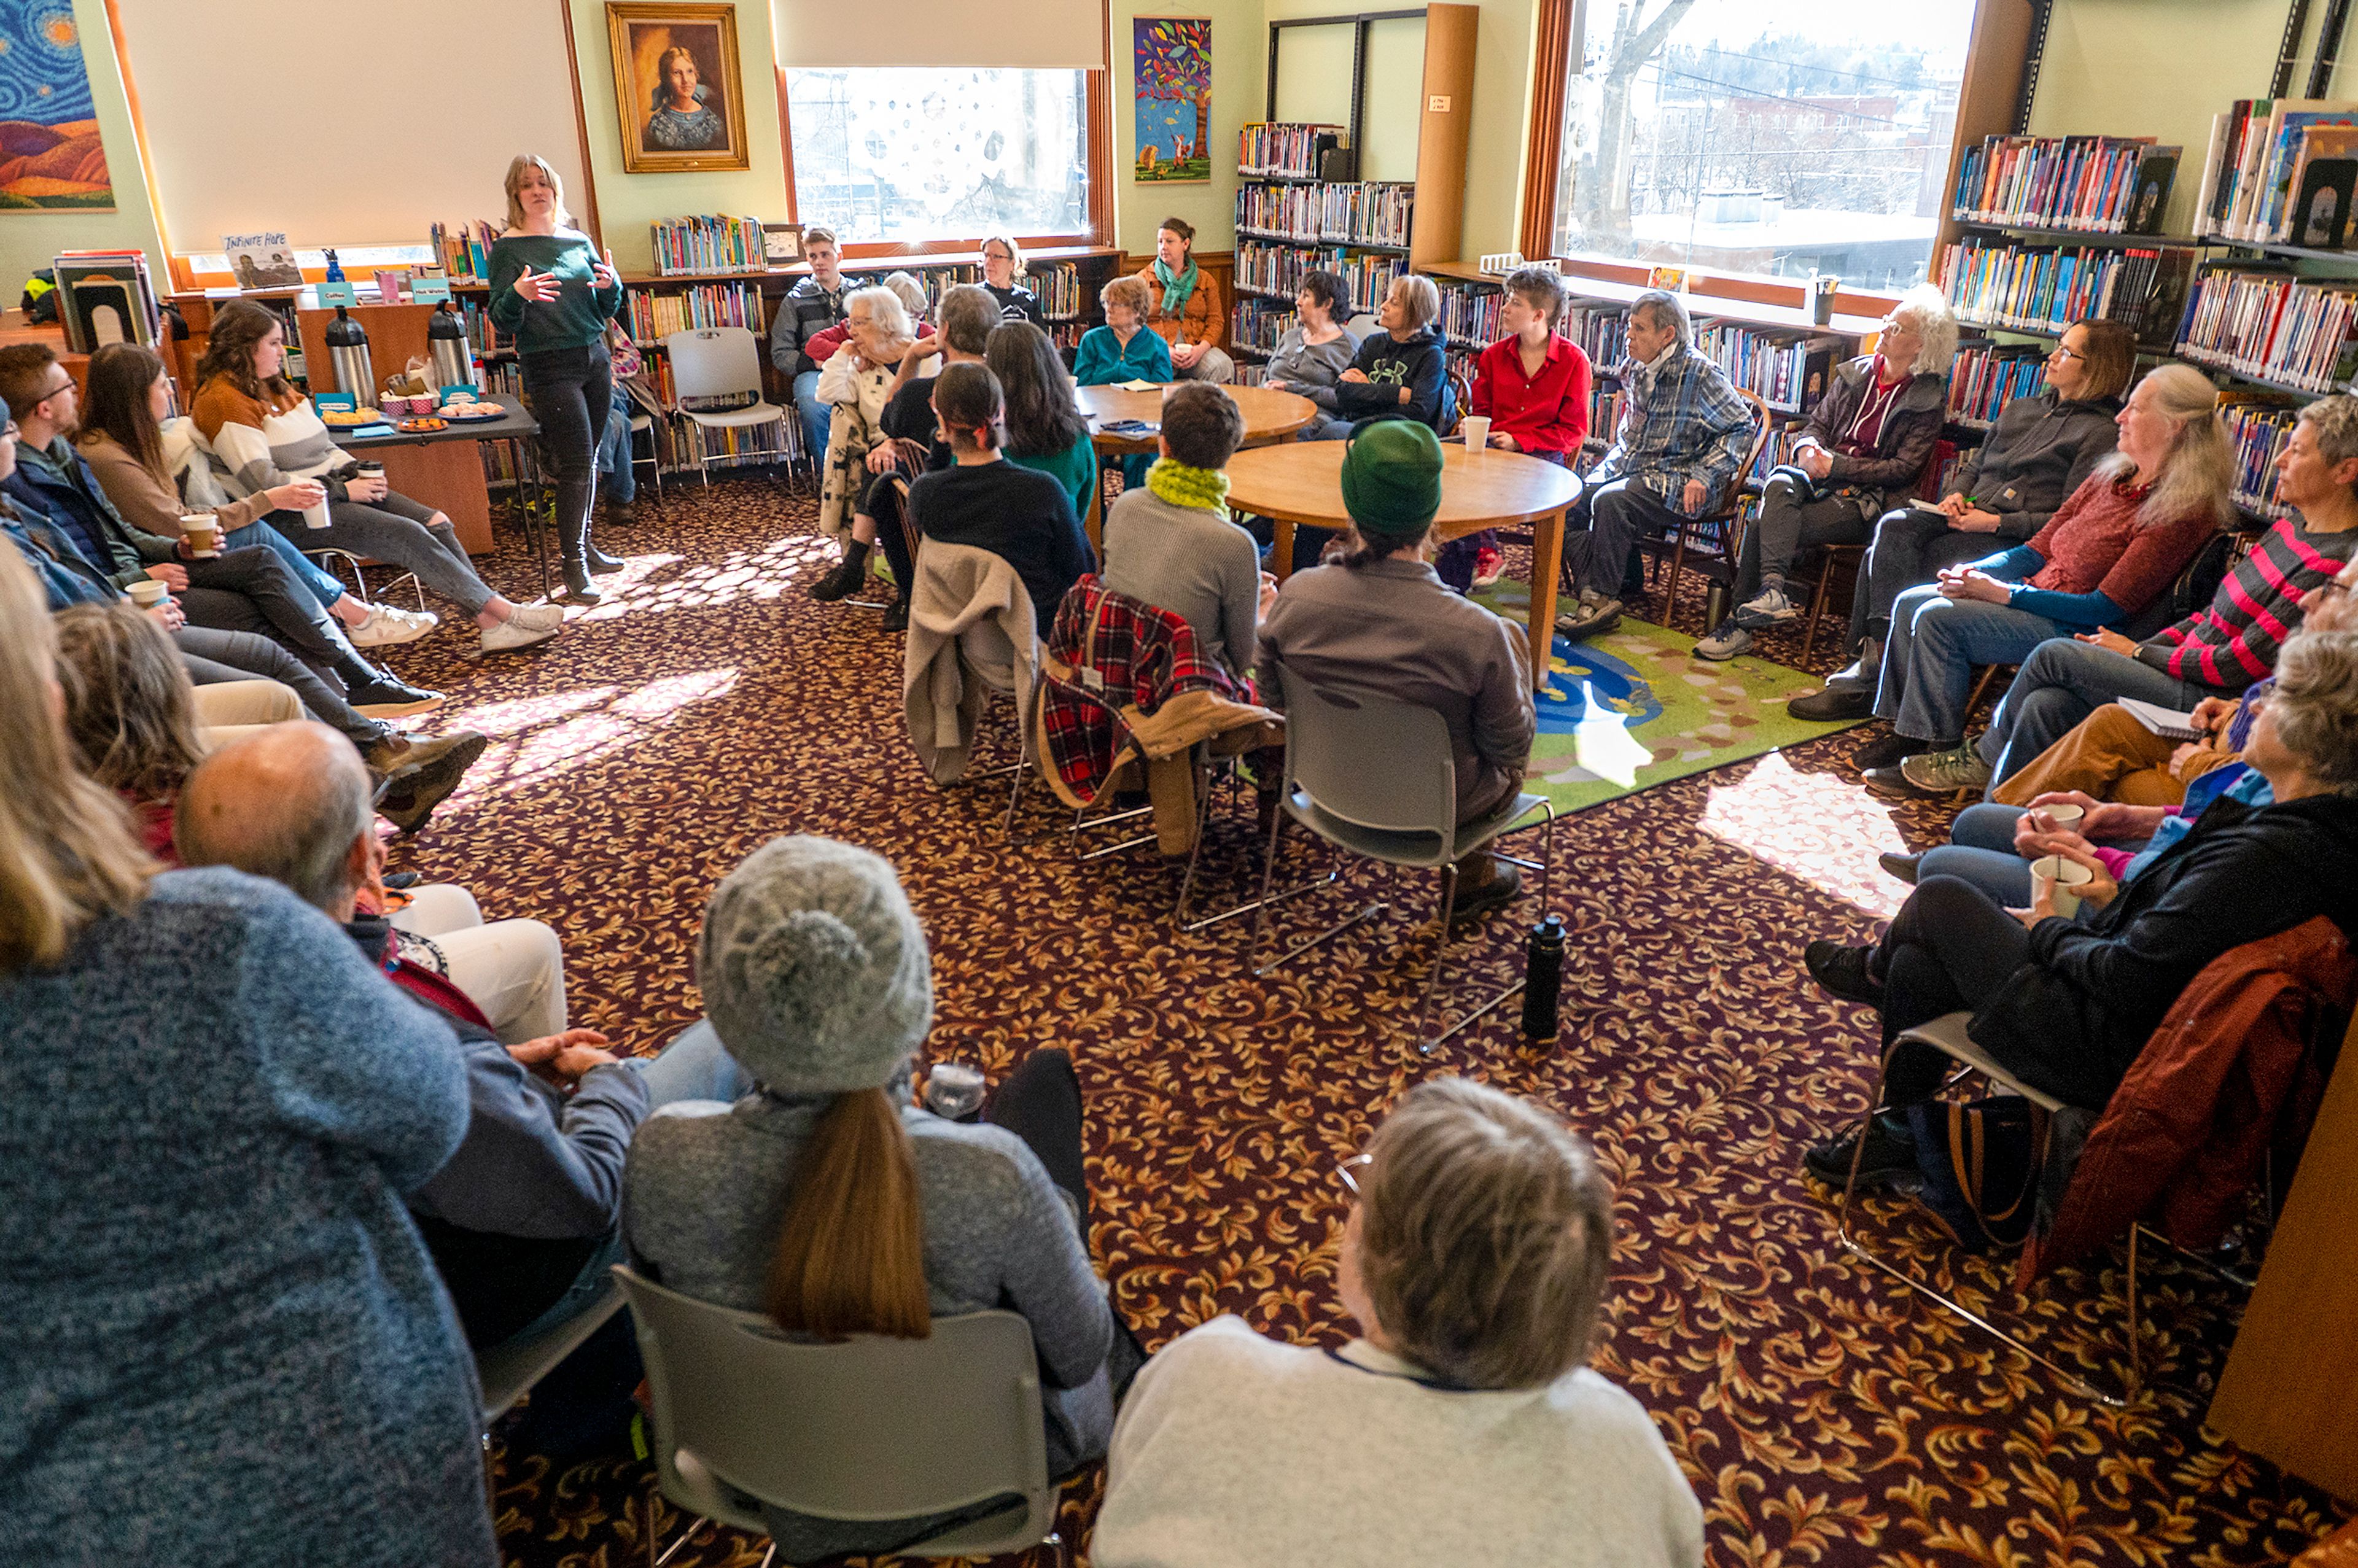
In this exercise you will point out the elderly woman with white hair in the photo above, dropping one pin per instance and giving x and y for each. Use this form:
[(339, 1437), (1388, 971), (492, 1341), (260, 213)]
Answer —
[(857, 381), (1402, 371), (1860, 449)]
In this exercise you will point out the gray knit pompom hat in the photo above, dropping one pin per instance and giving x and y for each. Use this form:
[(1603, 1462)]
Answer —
[(814, 971)]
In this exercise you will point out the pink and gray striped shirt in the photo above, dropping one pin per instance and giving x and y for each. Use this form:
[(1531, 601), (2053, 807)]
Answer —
[(2233, 641)]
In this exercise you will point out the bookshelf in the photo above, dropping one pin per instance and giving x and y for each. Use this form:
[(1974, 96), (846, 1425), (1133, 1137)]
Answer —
[(1290, 219)]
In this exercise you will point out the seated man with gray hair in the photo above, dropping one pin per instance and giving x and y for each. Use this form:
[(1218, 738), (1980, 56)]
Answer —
[(1677, 453), (523, 1222)]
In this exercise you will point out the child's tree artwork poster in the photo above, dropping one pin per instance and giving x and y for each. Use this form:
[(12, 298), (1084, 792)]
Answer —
[(1172, 60)]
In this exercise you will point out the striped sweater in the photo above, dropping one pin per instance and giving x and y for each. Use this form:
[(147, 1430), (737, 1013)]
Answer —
[(255, 445), (2233, 641)]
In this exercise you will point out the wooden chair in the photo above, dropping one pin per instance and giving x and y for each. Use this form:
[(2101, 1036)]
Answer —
[(1716, 537)]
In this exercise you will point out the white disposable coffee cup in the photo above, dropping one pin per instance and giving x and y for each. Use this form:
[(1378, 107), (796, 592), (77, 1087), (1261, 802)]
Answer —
[(2053, 872), (203, 531), (1476, 428), (147, 593), (2063, 815), (315, 517)]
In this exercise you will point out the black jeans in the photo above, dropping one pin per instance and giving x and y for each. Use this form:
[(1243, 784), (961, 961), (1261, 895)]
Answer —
[(1040, 1102), (254, 590), (1950, 948), (881, 501), (571, 393)]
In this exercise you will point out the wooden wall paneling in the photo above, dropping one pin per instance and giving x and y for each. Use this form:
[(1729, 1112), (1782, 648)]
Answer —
[(2290, 1388), (1439, 232)]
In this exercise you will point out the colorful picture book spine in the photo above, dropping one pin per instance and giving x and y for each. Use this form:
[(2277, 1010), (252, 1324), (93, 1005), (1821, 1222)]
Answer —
[(1370, 214), (2112, 184), (1470, 319), (654, 317), (1984, 380), (1256, 324), (1783, 440), (462, 252), (1602, 332), (1284, 150), (1786, 372), (2258, 425), (2044, 289), (1366, 279), (2272, 327), (1059, 284), (1265, 268), (706, 244)]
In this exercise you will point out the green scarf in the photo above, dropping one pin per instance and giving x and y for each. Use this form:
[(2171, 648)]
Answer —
[(1177, 287), (1206, 490)]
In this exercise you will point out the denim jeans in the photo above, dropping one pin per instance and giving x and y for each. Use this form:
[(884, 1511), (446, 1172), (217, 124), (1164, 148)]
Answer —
[(1927, 663), (572, 394), (1909, 547), (2061, 683), (313, 576), (616, 472), (816, 416)]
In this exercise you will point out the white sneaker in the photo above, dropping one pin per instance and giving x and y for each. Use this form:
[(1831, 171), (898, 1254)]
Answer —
[(385, 626), (1724, 644), (1768, 608), (516, 633), (538, 617)]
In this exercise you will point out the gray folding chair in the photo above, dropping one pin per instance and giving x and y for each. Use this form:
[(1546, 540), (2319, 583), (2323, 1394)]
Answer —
[(1947, 1034), (870, 1429), (713, 364), (507, 1372), (1375, 776)]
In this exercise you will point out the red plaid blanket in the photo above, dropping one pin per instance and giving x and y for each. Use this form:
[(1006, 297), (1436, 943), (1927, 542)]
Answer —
[(1122, 653)]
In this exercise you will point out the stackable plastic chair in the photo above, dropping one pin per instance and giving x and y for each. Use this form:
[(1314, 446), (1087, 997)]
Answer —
[(1375, 776), (869, 1429), (717, 363)]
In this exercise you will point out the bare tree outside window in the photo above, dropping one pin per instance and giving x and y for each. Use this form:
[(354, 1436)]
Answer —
[(1770, 137)]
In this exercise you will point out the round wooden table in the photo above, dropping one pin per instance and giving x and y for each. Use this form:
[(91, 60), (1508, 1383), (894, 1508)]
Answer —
[(1302, 481), (1269, 415)]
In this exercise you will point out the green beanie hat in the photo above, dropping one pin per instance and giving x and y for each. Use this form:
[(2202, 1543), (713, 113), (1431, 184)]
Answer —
[(1392, 479)]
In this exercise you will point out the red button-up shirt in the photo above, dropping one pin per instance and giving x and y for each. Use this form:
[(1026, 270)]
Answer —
[(1543, 413)]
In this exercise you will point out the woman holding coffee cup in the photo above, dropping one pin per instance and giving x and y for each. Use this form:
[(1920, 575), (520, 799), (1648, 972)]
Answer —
[(2066, 1005), (259, 433)]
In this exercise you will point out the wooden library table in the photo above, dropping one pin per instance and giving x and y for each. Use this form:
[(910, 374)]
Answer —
[(1269, 415), (1302, 481)]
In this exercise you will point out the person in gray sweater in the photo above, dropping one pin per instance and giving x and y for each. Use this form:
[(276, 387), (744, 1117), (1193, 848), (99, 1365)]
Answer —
[(817, 979), (1171, 543), (2039, 449), (1315, 350), (1378, 618)]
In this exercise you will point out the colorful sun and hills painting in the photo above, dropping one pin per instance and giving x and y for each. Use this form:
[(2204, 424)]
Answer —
[(49, 151)]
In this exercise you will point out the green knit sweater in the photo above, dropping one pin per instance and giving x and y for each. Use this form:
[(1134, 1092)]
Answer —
[(580, 310)]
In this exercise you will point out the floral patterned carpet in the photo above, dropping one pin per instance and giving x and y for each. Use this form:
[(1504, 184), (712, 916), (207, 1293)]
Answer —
[(1822, 1416)]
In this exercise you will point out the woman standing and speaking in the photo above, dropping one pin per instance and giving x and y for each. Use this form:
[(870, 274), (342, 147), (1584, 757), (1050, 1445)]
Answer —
[(553, 293)]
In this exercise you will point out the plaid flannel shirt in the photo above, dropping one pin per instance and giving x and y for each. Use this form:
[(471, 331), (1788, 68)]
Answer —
[(1684, 421), (1141, 656)]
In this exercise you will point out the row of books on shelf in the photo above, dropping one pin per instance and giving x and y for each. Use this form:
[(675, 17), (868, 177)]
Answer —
[(1263, 268), (2280, 171), (1983, 380), (1375, 213), (2257, 429), (1602, 332), (2044, 289), (1257, 324), (653, 317), (708, 243), (1290, 150), (2274, 327), (2104, 185), (1470, 318), (1058, 285), (465, 251), (1786, 372)]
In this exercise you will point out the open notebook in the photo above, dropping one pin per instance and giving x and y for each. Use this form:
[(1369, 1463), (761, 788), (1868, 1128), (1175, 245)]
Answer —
[(2166, 722)]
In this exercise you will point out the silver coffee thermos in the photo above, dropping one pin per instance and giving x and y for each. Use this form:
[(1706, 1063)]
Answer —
[(348, 351), (446, 346)]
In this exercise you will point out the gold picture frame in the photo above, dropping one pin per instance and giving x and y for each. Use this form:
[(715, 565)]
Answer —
[(651, 45)]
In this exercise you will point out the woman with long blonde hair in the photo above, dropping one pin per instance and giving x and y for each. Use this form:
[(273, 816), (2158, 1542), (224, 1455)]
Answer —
[(828, 1201), (2114, 546), (552, 294), (214, 1108)]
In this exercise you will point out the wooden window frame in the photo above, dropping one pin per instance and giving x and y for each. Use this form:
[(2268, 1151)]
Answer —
[(1097, 133)]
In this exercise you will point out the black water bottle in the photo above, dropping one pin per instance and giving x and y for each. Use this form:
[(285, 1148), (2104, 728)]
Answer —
[(1542, 978)]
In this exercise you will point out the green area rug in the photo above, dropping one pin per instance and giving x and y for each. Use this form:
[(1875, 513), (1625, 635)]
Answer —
[(1634, 708)]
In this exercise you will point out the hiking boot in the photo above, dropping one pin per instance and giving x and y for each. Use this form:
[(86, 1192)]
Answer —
[(1844, 972), (1891, 1152), (424, 776), (384, 626), (1473, 900), (1769, 606), (1593, 617), (1837, 702), (1724, 644), (1960, 767), (1887, 751)]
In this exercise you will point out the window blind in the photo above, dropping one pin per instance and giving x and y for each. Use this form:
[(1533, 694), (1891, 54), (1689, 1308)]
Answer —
[(1042, 35), (345, 124)]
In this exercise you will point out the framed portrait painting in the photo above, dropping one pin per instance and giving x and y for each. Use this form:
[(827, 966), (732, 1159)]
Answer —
[(677, 89)]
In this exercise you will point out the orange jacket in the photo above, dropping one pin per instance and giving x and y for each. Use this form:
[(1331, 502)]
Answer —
[(1203, 319)]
